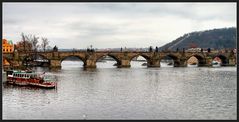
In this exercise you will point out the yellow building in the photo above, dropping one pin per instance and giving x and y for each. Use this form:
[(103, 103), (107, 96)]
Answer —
[(8, 46)]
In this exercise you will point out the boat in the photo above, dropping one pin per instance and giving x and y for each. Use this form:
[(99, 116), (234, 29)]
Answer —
[(144, 64), (29, 78), (216, 64), (170, 64)]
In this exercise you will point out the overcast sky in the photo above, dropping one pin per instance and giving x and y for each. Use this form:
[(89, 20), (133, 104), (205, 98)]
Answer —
[(103, 25)]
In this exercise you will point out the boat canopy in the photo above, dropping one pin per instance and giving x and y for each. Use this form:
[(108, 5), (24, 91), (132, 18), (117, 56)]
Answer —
[(26, 75)]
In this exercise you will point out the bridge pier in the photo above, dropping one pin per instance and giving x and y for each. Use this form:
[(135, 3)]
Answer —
[(55, 64), (155, 63), (183, 63), (208, 61), (124, 64), (90, 64), (232, 61)]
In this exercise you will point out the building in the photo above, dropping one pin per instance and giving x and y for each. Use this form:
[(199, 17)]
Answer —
[(8, 46)]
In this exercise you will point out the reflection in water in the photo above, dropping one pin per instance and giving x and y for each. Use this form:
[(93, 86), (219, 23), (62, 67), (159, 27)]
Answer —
[(127, 93)]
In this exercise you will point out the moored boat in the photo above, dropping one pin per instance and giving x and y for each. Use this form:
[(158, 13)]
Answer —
[(170, 64), (216, 64), (144, 64), (24, 78)]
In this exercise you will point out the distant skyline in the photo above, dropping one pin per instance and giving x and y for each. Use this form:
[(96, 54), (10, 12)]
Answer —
[(113, 25)]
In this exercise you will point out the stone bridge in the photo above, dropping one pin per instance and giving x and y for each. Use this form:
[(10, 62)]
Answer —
[(123, 59)]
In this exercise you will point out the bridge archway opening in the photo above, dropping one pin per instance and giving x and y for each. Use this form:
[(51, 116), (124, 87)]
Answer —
[(223, 59), (70, 62), (195, 61), (139, 61), (169, 61), (107, 61), (36, 60)]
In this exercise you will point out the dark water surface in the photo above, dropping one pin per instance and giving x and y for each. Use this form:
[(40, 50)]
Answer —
[(127, 93)]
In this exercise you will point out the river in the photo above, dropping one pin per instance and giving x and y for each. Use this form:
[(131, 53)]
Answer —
[(138, 92)]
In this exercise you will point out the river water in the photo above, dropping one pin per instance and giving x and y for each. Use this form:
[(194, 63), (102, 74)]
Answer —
[(127, 93)]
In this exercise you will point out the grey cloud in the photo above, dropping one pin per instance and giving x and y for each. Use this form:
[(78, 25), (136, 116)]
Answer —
[(83, 21)]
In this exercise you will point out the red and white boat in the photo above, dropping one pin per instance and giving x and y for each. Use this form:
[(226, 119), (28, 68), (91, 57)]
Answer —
[(30, 79)]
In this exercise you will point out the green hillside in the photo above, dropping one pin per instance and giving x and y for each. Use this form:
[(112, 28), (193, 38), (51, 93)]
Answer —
[(216, 38)]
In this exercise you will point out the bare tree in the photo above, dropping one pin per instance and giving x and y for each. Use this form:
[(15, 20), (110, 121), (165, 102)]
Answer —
[(44, 43), (34, 41), (24, 42)]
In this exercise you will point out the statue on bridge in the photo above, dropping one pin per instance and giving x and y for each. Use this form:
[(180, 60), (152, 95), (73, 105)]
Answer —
[(55, 48)]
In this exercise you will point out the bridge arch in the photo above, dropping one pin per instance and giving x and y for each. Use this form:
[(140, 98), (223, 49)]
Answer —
[(223, 58), (144, 56), (110, 55), (175, 59), (201, 59), (31, 57), (147, 58), (80, 61), (75, 56)]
